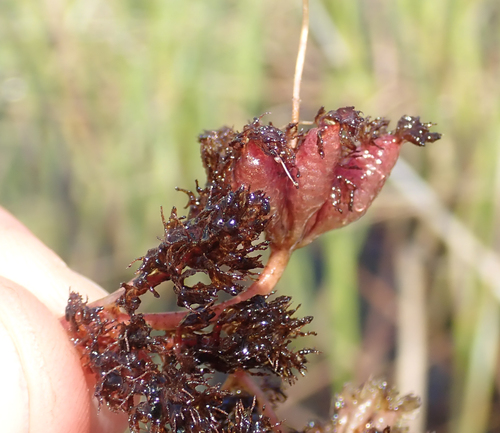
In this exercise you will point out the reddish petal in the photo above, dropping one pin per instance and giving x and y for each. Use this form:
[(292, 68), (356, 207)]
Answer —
[(260, 171), (361, 175), (316, 177), (356, 183)]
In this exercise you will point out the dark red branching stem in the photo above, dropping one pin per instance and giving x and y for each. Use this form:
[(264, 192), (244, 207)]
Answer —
[(266, 282), (268, 278), (109, 300), (263, 286)]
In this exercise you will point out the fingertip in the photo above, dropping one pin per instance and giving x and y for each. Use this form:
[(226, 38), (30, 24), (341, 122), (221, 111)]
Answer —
[(57, 394), (27, 261)]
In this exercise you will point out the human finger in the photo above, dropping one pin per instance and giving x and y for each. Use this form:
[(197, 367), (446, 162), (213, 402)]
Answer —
[(25, 260)]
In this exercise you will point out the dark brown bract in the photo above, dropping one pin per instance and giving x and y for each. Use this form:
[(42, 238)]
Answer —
[(218, 241), (163, 381)]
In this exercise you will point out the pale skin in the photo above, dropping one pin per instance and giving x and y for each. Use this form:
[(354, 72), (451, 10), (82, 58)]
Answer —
[(44, 386)]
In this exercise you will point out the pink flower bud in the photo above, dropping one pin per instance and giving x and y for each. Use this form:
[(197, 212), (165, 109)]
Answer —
[(327, 181), (369, 155)]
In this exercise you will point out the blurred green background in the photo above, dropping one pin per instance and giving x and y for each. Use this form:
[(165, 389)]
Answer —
[(101, 103)]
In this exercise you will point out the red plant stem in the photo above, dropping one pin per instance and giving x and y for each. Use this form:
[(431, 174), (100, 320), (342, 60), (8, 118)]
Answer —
[(270, 275), (108, 300), (265, 284), (241, 379)]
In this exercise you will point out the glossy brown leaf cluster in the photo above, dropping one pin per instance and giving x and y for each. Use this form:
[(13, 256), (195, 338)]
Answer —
[(216, 241), (163, 380), (254, 334)]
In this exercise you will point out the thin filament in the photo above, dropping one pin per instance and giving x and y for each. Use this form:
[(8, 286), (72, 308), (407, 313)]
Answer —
[(299, 65)]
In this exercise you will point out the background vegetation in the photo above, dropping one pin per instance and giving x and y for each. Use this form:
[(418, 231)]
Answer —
[(100, 106)]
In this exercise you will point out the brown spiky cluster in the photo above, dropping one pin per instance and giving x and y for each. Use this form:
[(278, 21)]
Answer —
[(287, 186), (217, 241), (221, 149), (164, 379)]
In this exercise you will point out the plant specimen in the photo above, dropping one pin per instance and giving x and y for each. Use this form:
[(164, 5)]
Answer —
[(266, 187)]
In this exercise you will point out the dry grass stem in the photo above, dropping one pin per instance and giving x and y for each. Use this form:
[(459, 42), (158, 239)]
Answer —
[(299, 65)]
